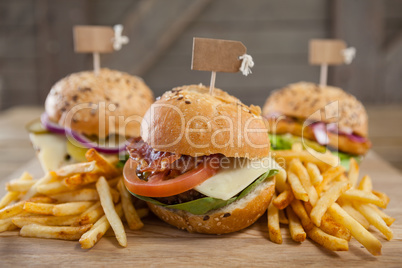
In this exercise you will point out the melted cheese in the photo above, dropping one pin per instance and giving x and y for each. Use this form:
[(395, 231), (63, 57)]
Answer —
[(234, 178), (51, 149)]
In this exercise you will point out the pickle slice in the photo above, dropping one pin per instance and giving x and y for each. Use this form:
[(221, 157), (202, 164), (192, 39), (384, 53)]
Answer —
[(36, 127)]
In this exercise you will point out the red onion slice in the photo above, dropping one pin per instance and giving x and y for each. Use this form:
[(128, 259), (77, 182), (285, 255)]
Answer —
[(55, 128), (320, 133), (356, 138), (51, 126)]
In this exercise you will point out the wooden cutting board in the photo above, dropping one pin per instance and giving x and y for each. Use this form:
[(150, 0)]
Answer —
[(158, 244)]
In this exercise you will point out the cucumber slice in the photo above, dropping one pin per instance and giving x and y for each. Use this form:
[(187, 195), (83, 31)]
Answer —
[(36, 127)]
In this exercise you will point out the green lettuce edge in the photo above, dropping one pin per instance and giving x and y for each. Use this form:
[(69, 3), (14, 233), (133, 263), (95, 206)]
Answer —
[(285, 142), (203, 205)]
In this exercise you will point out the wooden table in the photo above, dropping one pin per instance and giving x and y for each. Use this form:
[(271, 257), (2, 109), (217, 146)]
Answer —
[(158, 244)]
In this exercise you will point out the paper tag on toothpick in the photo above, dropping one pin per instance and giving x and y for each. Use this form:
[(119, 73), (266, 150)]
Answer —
[(93, 39), (327, 51), (216, 55)]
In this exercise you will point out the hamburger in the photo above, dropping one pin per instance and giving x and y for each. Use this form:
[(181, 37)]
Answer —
[(202, 163), (321, 117), (83, 111)]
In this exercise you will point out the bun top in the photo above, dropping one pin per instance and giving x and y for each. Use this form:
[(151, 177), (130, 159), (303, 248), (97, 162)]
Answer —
[(188, 120), (310, 101), (92, 105)]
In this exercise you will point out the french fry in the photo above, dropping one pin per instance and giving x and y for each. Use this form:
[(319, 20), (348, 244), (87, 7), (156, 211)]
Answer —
[(78, 195), (362, 196), (307, 156), (91, 237), (19, 185), (374, 219), (327, 241), (52, 188), (298, 191), (297, 147), (365, 184), (107, 203), (70, 170), (44, 220), (353, 173), (387, 219), (357, 230), (314, 173), (12, 210), (91, 215), (33, 191), (81, 179), (300, 211), (8, 198), (330, 226), (297, 167), (133, 220), (328, 176), (273, 224), (355, 215), (385, 198), (280, 181), (296, 230), (115, 195), (7, 225), (283, 199), (72, 208), (103, 164), (282, 217), (54, 232), (326, 200), (38, 208), (113, 182)]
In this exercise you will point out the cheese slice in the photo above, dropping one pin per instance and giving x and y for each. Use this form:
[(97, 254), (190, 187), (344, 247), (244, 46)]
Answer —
[(235, 177), (52, 150)]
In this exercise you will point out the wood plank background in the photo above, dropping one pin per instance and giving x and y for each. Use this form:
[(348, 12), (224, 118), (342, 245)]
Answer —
[(36, 43)]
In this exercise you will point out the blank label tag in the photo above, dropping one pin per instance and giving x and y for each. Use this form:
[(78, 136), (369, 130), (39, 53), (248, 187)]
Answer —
[(89, 39), (217, 55), (326, 51)]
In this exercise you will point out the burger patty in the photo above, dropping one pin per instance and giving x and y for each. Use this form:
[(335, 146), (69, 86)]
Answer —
[(341, 142), (184, 197)]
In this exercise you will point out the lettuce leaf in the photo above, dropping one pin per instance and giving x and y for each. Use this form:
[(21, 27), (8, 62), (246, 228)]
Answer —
[(203, 205)]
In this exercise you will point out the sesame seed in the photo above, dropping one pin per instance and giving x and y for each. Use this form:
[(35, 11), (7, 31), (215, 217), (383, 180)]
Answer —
[(226, 215), (206, 218), (219, 223), (187, 102)]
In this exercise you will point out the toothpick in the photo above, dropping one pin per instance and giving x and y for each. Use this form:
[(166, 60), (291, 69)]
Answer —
[(323, 74), (212, 84), (96, 58)]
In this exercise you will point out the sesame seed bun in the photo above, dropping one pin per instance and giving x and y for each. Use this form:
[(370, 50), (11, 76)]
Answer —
[(234, 217), (303, 100), (188, 120), (83, 101)]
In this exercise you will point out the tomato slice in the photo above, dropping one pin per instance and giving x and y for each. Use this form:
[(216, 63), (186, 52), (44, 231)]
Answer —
[(156, 186)]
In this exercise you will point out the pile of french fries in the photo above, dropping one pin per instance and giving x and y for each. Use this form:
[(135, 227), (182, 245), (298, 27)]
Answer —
[(319, 201), (77, 202)]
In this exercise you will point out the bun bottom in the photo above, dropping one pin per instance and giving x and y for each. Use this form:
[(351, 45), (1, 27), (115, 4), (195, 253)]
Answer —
[(234, 217)]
